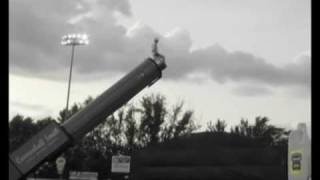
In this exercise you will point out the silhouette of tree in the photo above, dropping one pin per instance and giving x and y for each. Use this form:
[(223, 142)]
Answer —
[(42, 123), (178, 123), (63, 115), (269, 134), (131, 128), (20, 130), (218, 127), (153, 114), (210, 127)]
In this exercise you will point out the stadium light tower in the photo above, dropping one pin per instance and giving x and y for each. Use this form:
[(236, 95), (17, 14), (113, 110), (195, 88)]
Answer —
[(73, 40)]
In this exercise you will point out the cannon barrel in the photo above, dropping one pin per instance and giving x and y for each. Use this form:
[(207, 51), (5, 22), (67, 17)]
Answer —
[(55, 138), (143, 75)]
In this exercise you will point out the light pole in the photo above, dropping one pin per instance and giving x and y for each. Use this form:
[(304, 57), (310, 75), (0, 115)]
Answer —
[(73, 40)]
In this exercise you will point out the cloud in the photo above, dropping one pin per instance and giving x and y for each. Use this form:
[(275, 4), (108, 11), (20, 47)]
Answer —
[(34, 110), (33, 107), (36, 28), (252, 91)]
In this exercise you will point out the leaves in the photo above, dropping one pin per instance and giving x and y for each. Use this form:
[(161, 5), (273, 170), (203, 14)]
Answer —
[(153, 113), (133, 127), (269, 134), (219, 127)]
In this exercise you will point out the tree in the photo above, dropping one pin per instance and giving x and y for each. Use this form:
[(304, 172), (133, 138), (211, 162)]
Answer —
[(153, 114), (210, 127), (185, 125), (131, 127), (131, 130), (20, 130), (219, 127), (178, 123), (64, 114), (269, 134), (159, 123), (42, 123)]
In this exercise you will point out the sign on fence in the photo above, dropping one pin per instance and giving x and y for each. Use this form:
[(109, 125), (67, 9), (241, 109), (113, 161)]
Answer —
[(81, 175), (120, 164)]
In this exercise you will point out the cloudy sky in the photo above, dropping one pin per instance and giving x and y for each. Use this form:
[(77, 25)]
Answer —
[(227, 59)]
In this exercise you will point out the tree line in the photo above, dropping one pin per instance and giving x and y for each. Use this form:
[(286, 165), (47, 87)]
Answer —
[(132, 127)]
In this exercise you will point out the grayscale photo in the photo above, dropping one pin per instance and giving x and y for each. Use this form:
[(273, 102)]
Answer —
[(159, 90)]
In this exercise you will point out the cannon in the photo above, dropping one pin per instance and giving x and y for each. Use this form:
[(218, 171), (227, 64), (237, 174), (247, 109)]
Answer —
[(54, 139)]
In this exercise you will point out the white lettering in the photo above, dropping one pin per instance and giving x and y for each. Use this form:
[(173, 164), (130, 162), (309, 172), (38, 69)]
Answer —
[(35, 147), (54, 133)]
